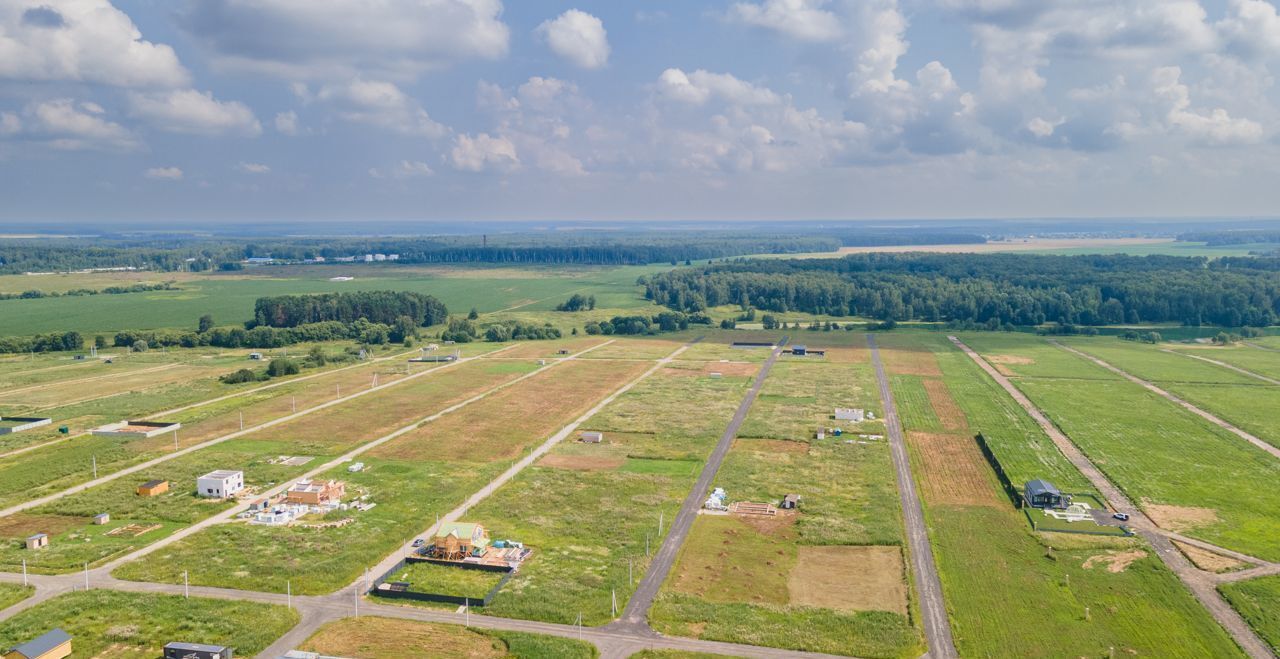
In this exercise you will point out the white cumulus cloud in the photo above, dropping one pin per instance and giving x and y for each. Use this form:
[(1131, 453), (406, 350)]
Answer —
[(287, 123), (482, 152), (164, 173), (381, 104), (191, 111), (578, 37), (253, 168), (805, 20), (69, 125)]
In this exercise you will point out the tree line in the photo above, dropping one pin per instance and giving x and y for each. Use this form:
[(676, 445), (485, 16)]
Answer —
[(993, 290), (386, 307)]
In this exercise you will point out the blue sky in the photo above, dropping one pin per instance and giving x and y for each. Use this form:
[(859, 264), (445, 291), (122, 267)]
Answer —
[(179, 111)]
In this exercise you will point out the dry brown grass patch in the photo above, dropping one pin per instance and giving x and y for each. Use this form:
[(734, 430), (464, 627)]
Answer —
[(1207, 560), (582, 462), (549, 349), (849, 579), (22, 525), (1116, 561), (1179, 518), (848, 355), (953, 470), (910, 362), (383, 638), (705, 369), (944, 406), (771, 446)]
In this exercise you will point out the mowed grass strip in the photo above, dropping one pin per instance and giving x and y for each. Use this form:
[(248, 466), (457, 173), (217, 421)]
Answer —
[(1211, 484), (342, 427), (1258, 600), (505, 423), (372, 637), (319, 560), (107, 623)]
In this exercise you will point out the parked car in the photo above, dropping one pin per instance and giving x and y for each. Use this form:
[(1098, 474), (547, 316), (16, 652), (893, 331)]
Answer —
[(1124, 517), (418, 542)]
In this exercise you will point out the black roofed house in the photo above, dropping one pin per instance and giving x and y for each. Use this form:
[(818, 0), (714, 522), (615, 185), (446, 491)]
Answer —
[(1042, 494), (53, 644), (177, 650)]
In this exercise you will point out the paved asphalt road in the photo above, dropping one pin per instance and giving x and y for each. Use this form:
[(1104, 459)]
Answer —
[(1201, 584), (933, 610), (635, 615)]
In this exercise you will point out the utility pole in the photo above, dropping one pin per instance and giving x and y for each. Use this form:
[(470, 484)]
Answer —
[(466, 609), (186, 585), (288, 593), (242, 419), (356, 592), (95, 467), (631, 580), (175, 440), (615, 602), (295, 404), (86, 576), (660, 520), (339, 389), (24, 572)]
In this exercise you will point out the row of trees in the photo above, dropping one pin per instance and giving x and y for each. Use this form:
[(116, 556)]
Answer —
[(578, 302), (81, 292), (1001, 289), (665, 321), (51, 342), (386, 307), (262, 336)]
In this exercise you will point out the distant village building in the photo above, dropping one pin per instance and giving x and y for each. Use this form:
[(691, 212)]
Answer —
[(854, 414), (458, 540), (135, 429), (178, 650), (592, 437), (38, 541), (152, 488), (220, 484), (101, 518), (316, 493)]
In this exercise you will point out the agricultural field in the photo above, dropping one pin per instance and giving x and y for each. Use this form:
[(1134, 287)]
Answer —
[(117, 624), (1241, 355), (835, 567), (1091, 594), (589, 511), (371, 637), (419, 475), (1258, 600), (230, 297)]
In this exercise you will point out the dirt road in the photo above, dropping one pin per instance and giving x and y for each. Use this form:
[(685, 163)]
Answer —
[(933, 609)]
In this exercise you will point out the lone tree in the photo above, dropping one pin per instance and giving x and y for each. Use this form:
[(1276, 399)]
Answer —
[(206, 324), (473, 315)]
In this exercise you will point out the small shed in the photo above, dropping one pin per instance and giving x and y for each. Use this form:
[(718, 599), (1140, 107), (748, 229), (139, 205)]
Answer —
[(790, 502), (1042, 494), (799, 350), (101, 518), (53, 644), (152, 488), (177, 650), (716, 375), (563, 351), (255, 356), (592, 437), (37, 541)]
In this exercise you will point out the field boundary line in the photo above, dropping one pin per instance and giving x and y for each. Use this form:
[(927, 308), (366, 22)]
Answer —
[(636, 612), (346, 457), (933, 607), (534, 454), (17, 508), (1225, 365), (1201, 584), (211, 401), (1207, 416)]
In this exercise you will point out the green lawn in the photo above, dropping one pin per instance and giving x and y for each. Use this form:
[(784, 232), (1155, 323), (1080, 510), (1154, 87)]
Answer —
[(1258, 600), (11, 593), (112, 623), (436, 579)]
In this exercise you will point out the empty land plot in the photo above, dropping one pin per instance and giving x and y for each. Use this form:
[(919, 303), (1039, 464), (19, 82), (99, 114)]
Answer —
[(988, 558), (798, 398), (1026, 356), (1161, 454), (1251, 408), (17, 378), (1155, 365), (907, 361), (342, 427), (913, 404), (952, 469), (319, 560), (107, 623), (625, 348), (371, 637), (716, 351), (505, 423), (847, 578), (549, 349), (587, 528), (1248, 357), (66, 393), (1258, 600)]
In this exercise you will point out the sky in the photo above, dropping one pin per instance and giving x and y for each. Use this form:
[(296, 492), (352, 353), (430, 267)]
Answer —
[(173, 111)]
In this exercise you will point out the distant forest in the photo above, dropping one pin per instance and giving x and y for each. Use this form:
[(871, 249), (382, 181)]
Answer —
[(599, 248), (992, 290), (1236, 237), (385, 307)]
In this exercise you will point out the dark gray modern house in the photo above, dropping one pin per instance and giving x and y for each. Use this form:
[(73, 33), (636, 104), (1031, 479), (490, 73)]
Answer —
[(1042, 494)]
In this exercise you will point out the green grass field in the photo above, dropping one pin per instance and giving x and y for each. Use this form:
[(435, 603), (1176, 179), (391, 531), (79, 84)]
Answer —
[(1242, 355), (1258, 600), (11, 594), (230, 298), (111, 623), (436, 579)]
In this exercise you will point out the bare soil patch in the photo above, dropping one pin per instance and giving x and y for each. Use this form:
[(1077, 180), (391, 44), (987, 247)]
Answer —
[(953, 470), (549, 349), (384, 638), (582, 462), (1179, 518), (849, 579), (705, 369), (910, 362), (22, 525), (848, 355), (1116, 561), (1010, 359), (944, 406), (1207, 560)]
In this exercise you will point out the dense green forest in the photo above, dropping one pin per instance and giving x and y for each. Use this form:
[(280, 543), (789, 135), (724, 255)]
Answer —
[(384, 307), (1233, 237), (993, 290), (584, 247)]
